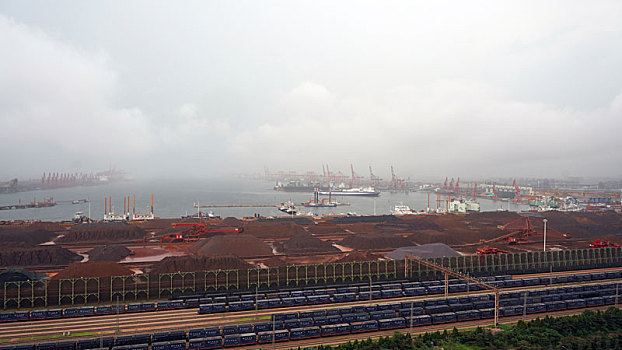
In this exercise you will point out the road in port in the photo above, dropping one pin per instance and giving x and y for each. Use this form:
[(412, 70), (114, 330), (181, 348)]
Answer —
[(133, 323)]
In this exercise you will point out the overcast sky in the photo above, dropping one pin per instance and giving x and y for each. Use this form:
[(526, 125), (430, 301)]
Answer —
[(435, 88)]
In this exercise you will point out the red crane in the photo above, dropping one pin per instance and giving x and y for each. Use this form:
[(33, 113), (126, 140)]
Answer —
[(516, 191), (355, 178), (445, 184), (474, 190), (457, 188), (522, 228)]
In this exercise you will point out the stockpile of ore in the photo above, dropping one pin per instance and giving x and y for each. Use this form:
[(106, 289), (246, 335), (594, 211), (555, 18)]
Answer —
[(108, 253), (409, 223), (583, 225), (93, 269), (19, 274), (325, 228), (157, 224), (108, 232), (232, 222), (275, 261), (374, 241), (304, 243), (242, 245), (357, 256), (268, 229), (49, 226), (196, 263), (24, 254), (360, 227), (26, 235)]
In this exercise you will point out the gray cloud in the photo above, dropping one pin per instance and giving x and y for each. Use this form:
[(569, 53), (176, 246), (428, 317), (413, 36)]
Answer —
[(191, 89)]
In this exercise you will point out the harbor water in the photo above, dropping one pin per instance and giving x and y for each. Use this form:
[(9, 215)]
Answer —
[(174, 198)]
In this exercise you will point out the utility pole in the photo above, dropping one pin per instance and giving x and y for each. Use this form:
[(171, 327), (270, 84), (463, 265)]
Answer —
[(544, 221)]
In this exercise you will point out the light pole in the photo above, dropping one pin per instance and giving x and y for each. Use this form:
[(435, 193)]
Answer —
[(544, 221)]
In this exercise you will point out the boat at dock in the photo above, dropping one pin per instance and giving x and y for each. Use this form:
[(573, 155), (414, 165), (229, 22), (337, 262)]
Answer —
[(357, 191)]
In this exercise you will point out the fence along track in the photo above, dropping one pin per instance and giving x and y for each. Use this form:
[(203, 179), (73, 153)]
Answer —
[(81, 291)]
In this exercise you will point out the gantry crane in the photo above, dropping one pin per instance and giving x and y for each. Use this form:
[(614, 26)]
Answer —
[(448, 272)]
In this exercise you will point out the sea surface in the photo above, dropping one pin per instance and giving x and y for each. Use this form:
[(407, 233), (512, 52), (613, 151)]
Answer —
[(174, 198)]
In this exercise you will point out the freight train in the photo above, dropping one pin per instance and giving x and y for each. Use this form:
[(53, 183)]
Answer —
[(216, 303), (350, 320)]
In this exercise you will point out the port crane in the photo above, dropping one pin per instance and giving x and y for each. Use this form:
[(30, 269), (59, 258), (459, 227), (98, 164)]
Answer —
[(375, 180), (355, 177), (396, 183)]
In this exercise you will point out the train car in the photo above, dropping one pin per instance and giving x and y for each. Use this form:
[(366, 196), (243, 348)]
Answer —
[(536, 308), (379, 315), (305, 322), (486, 313), (196, 333), (344, 297), (409, 304), (360, 317), (284, 316), (332, 312), (231, 340), (437, 309), (318, 299), (467, 315), (446, 317), (595, 301), (392, 323), (245, 328), (555, 305), (391, 293), (406, 312), (366, 326), (389, 306), (510, 302), (211, 332), (277, 336), (344, 290), (289, 324), (374, 295), (335, 329), (241, 306), (268, 303), (333, 319), (511, 311), (159, 346), (435, 289), (304, 333), (455, 288), (414, 291), (212, 342), (229, 329)]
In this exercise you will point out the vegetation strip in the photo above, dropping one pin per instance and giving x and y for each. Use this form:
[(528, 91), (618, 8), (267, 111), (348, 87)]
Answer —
[(588, 330)]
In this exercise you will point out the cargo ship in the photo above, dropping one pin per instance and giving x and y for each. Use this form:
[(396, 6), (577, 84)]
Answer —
[(299, 186), (359, 191)]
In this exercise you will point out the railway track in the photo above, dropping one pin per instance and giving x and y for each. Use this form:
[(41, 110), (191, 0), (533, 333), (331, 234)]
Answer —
[(184, 319), (335, 340)]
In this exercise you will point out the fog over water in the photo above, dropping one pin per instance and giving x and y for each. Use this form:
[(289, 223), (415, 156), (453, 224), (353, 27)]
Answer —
[(192, 89), (176, 198)]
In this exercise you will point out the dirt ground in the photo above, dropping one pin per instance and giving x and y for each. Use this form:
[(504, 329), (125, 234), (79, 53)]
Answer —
[(314, 241)]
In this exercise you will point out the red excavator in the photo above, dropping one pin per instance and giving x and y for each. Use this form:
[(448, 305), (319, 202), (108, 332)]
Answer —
[(487, 250), (603, 244), (194, 231)]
